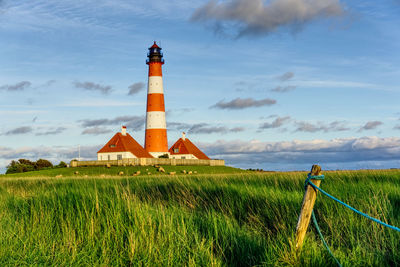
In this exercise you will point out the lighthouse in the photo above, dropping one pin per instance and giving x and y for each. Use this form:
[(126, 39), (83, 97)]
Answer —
[(156, 128)]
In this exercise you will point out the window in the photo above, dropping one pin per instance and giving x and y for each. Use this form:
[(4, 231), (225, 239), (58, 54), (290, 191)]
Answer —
[(108, 157), (119, 157), (183, 158), (176, 150), (112, 145)]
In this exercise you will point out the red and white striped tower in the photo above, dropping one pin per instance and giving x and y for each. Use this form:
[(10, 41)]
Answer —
[(156, 128)]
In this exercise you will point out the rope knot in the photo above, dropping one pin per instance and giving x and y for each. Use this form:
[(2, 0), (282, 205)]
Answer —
[(315, 177)]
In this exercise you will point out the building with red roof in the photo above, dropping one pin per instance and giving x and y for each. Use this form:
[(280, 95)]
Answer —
[(185, 149), (122, 146)]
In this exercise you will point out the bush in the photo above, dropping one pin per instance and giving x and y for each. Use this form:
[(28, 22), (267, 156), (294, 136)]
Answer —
[(165, 156)]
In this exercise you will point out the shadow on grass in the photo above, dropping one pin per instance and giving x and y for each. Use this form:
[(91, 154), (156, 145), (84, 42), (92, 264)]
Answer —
[(265, 215), (395, 203)]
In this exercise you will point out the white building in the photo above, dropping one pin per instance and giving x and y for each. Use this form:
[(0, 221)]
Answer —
[(185, 149), (122, 146)]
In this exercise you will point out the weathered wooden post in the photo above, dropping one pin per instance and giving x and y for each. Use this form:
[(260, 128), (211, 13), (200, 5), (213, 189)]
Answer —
[(306, 207)]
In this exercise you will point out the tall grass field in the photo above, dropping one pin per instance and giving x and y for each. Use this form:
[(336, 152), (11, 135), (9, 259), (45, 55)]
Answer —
[(218, 217)]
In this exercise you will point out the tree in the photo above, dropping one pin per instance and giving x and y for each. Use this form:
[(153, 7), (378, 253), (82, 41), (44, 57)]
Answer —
[(25, 165), (16, 167), (62, 164), (26, 162), (43, 163)]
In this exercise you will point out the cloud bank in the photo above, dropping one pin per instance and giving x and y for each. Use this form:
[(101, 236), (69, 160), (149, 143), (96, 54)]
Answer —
[(258, 17), (366, 150)]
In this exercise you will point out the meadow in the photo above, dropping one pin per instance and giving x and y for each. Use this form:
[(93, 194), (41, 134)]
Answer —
[(220, 216)]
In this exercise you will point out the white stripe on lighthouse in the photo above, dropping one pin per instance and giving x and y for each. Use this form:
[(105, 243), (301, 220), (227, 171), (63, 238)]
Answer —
[(155, 120), (155, 85)]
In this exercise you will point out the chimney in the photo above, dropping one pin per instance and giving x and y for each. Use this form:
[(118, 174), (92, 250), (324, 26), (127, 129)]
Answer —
[(183, 136), (123, 130)]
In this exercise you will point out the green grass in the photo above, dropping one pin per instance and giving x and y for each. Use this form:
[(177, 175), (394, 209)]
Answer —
[(226, 218)]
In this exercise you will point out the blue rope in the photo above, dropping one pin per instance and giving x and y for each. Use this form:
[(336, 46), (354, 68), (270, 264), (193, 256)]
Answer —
[(315, 177), (323, 239), (353, 209)]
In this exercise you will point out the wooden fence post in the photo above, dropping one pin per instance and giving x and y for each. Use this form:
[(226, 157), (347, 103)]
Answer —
[(306, 207)]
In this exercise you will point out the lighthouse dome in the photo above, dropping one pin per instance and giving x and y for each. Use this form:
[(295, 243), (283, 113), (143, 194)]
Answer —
[(155, 49), (155, 45), (155, 54)]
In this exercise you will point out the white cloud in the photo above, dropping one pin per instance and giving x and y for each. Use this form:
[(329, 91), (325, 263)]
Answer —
[(258, 17), (242, 103), (371, 125)]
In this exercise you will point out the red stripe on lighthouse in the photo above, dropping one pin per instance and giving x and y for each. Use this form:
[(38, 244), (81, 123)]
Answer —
[(155, 102), (157, 141), (155, 69)]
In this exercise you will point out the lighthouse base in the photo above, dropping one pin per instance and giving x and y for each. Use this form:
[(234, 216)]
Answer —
[(158, 154)]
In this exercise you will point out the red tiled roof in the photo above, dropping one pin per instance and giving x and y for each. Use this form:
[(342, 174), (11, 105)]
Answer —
[(154, 45), (187, 147), (125, 143)]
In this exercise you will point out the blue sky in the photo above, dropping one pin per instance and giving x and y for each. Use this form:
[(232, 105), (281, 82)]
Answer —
[(278, 84)]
